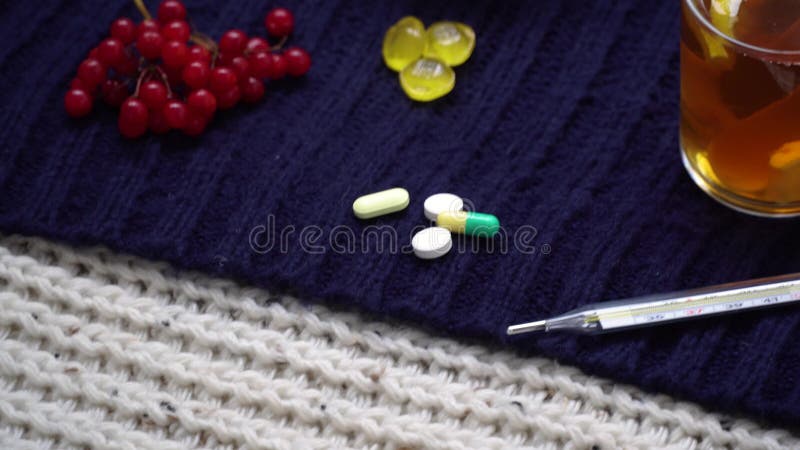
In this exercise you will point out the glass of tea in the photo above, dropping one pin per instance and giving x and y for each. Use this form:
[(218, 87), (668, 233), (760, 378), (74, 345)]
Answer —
[(740, 102)]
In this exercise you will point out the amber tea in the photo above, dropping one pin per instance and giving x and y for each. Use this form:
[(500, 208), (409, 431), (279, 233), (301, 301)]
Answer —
[(740, 102)]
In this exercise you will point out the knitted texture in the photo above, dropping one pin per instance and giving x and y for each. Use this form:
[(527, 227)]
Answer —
[(106, 351), (564, 121)]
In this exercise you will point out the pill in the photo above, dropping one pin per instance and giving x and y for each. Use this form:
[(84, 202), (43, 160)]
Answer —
[(427, 79), (439, 203), (432, 243), (403, 43), (452, 42), (471, 223), (381, 203)]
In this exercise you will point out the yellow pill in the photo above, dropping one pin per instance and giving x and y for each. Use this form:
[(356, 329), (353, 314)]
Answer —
[(403, 43), (452, 42), (381, 203), (427, 79)]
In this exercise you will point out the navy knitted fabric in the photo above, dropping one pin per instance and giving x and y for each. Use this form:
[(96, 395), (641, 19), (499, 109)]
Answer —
[(564, 121)]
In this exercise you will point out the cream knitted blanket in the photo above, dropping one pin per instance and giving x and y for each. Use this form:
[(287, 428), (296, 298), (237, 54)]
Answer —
[(100, 350)]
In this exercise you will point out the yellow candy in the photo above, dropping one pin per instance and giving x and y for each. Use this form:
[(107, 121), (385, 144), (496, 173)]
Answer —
[(403, 43), (427, 79), (452, 42)]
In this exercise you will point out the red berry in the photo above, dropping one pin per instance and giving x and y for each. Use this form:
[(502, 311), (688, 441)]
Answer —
[(197, 53), (224, 59), (123, 29), (222, 80), (229, 98), (256, 45), (240, 67), (128, 66), (149, 44), (279, 22), (76, 83), (133, 118), (93, 54), (196, 74), (252, 90), (153, 94), (158, 123), (260, 65), (171, 10), (114, 92), (279, 66), (233, 42), (202, 102), (176, 113), (195, 125), (78, 103), (147, 25), (297, 61), (174, 54), (92, 72), (177, 30), (174, 75), (111, 51)]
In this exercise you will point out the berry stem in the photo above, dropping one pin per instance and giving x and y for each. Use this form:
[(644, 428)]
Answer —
[(142, 9), (139, 81), (165, 79), (279, 44), (206, 42)]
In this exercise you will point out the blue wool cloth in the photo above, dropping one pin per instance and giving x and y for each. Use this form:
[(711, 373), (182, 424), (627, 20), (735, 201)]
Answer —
[(563, 123)]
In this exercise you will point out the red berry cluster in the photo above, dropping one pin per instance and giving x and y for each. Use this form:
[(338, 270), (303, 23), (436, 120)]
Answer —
[(163, 76)]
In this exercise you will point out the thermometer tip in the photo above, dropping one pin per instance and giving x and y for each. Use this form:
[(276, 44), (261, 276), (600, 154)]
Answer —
[(539, 325)]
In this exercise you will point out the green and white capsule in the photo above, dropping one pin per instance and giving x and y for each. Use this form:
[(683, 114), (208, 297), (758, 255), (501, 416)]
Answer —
[(468, 222)]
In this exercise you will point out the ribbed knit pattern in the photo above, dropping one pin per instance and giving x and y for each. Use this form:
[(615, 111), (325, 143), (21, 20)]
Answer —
[(564, 119), (100, 350)]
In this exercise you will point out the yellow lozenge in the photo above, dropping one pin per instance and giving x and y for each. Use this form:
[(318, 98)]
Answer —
[(404, 43), (427, 79), (451, 42)]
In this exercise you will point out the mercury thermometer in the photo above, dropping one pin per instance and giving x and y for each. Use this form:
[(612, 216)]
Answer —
[(653, 310)]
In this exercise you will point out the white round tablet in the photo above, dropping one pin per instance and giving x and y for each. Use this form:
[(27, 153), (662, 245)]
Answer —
[(439, 203), (432, 243)]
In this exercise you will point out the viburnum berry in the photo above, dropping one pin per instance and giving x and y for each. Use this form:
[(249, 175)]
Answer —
[(179, 85), (240, 67), (279, 66), (229, 98), (171, 10), (133, 118), (78, 103), (256, 45), (114, 92), (260, 65), (177, 30), (297, 61), (198, 53), (174, 54), (128, 65), (123, 29), (147, 25), (153, 94), (176, 113), (111, 51), (92, 72), (76, 83), (222, 80), (252, 90), (149, 44), (195, 125), (196, 74), (279, 22), (233, 42), (157, 123), (202, 101)]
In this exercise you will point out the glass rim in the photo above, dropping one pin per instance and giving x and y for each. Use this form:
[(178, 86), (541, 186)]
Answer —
[(692, 4)]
